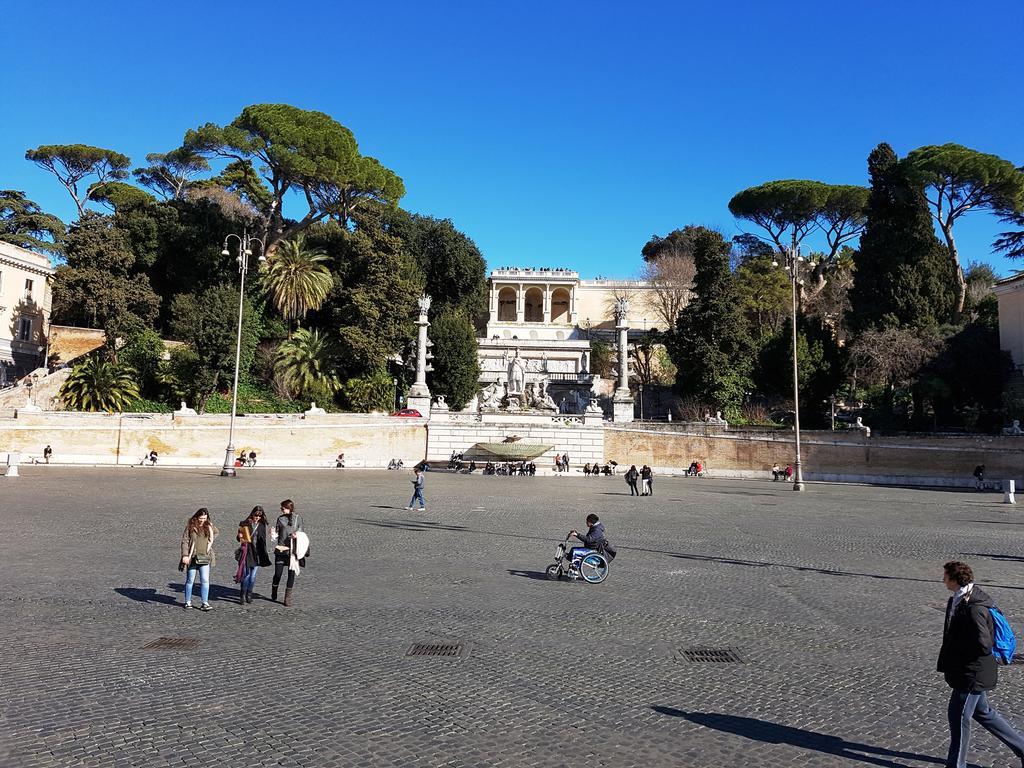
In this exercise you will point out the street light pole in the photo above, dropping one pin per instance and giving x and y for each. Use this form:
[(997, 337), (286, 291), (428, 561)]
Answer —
[(793, 259), (245, 241)]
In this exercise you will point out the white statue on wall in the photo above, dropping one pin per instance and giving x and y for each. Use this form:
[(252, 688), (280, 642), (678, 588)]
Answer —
[(492, 395), (516, 375)]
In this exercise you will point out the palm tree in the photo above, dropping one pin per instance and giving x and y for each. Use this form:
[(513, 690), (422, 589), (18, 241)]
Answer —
[(297, 278), (306, 363), (100, 385)]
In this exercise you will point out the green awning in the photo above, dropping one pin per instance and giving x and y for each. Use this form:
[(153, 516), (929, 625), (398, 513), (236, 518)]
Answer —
[(505, 451)]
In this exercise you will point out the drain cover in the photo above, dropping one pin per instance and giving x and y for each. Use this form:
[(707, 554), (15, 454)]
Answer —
[(172, 644), (433, 649), (713, 655)]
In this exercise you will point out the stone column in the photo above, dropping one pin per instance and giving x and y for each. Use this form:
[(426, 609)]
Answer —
[(547, 305), (520, 304), (622, 400), (419, 393), (493, 302)]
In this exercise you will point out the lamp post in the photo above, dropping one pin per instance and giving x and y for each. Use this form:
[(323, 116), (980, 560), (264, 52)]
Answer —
[(245, 241), (793, 260), (641, 387)]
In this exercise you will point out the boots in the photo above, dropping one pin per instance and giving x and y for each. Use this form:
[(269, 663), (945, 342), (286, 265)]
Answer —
[(241, 597), (273, 593), (288, 596), (248, 597)]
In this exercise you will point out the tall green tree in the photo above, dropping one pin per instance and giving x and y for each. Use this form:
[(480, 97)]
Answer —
[(275, 149), (23, 223), (903, 275), (710, 346), (456, 366), (207, 322), (74, 163), (96, 384), (958, 180), (307, 363), (297, 278), (99, 286), (170, 174)]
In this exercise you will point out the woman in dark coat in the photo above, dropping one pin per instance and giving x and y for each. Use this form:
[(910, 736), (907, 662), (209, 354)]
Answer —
[(252, 554)]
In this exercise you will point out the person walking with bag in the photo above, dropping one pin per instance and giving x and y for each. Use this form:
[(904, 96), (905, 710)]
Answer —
[(285, 529), (252, 552), (417, 491), (631, 478), (197, 556), (969, 666)]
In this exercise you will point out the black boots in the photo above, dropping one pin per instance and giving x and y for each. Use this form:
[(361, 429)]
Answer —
[(273, 593)]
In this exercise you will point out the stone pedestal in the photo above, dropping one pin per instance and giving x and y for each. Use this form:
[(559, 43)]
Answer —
[(622, 407), (419, 402)]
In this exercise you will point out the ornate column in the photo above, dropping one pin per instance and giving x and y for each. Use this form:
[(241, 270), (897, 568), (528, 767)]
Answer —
[(520, 304), (547, 304), (419, 393), (622, 400)]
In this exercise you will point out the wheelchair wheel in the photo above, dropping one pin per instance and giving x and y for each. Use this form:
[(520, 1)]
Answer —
[(553, 571), (594, 568)]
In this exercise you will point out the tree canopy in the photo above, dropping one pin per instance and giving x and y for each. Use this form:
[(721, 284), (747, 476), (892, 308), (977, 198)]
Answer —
[(23, 223), (73, 163)]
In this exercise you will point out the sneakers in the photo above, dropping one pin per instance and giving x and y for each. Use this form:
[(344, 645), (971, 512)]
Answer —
[(205, 607), (408, 509), (187, 606)]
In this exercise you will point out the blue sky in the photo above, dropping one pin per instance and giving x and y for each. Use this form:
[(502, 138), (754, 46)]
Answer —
[(553, 134)]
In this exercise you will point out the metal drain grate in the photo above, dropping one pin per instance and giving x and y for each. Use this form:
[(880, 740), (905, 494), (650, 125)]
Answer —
[(433, 649), (712, 655), (172, 644)]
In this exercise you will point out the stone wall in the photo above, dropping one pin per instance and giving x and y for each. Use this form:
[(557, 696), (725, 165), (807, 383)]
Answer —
[(282, 441), (836, 456)]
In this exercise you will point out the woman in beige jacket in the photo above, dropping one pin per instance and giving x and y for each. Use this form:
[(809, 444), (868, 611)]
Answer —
[(197, 555)]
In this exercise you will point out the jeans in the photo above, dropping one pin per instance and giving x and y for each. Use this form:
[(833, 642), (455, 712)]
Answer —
[(204, 583), (249, 579), (417, 494), (963, 706), (632, 488)]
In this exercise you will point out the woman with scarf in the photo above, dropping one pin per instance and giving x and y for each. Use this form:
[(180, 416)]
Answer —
[(197, 556), (252, 552)]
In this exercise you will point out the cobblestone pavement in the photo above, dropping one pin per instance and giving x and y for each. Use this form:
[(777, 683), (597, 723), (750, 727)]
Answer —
[(832, 599)]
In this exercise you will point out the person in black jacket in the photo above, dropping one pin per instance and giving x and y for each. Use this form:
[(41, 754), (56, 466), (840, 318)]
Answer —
[(252, 552), (631, 477), (967, 662), (594, 538)]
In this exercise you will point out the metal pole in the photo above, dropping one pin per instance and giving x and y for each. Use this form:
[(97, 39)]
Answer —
[(798, 477), (228, 470)]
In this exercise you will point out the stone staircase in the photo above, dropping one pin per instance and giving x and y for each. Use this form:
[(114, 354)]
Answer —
[(45, 392)]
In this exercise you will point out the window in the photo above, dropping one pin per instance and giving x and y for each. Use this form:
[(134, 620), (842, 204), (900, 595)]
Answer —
[(28, 289), (24, 328)]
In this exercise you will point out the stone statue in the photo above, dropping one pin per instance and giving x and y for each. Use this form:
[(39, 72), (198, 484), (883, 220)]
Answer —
[(542, 400), (862, 427), (313, 410), (492, 396), (585, 362), (440, 404), (621, 310), (516, 375), (1015, 429), (184, 410), (594, 407)]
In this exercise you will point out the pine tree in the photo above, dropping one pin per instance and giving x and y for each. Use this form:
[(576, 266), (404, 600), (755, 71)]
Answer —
[(710, 347), (902, 274)]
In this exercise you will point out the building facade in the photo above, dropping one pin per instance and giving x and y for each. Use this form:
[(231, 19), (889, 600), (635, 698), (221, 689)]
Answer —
[(25, 280), (1010, 295)]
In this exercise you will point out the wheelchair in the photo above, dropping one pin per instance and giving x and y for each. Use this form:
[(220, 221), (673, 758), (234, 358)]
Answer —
[(587, 564)]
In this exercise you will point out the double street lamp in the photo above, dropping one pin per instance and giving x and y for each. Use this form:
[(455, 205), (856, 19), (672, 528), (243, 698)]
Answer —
[(245, 243), (793, 260)]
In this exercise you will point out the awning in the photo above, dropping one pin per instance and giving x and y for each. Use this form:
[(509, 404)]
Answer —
[(505, 451)]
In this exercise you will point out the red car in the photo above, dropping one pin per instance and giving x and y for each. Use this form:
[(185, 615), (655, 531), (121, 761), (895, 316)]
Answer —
[(410, 413)]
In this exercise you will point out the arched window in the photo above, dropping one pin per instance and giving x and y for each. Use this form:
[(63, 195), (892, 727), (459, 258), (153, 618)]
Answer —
[(560, 306), (507, 305), (534, 306)]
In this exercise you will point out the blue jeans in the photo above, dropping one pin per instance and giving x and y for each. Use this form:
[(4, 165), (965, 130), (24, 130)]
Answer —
[(417, 494), (204, 583), (249, 578), (963, 706)]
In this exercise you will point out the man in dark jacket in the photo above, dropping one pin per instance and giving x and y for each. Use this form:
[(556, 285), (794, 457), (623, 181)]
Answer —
[(967, 662), (594, 538)]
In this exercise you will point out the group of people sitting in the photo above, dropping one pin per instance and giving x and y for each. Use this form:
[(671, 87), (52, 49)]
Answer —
[(696, 469), (782, 474), (510, 468), (596, 469), (244, 460)]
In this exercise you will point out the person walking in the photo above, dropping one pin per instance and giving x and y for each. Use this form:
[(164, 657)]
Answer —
[(565, 461), (197, 556), (966, 661), (645, 480), (417, 490), (287, 526), (631, 477), (252, 552), (47, 453)]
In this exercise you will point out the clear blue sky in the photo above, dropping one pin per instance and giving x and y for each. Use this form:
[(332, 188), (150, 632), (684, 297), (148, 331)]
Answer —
[(553, 134)]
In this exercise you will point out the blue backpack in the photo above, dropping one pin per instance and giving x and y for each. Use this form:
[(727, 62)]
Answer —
[(1004, 644)]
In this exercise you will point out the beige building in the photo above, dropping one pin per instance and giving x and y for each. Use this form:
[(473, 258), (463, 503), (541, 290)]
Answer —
[(24, 311), (1010, 294)]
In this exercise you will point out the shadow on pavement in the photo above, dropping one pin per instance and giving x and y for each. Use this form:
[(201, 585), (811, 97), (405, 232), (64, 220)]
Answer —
[(218, 592), (537, 575), (1011, 558), (773, 733), (149, 595), (410, 525)]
